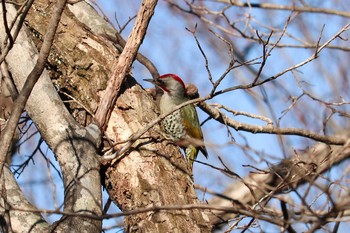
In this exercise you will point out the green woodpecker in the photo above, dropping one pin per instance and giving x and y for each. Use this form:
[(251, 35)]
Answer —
[(182, 126)]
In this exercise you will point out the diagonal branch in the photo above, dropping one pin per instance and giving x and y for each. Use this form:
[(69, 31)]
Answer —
[(311, 58), (290, 173), (122, 66), (33, 77), (22, 13)]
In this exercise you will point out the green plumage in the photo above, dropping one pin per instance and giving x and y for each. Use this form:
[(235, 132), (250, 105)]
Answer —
[(181, 125)]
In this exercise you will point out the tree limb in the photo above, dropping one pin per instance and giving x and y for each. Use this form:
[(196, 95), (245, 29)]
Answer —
[(258, 187), (73, 145), (32, 78), (122, 66)]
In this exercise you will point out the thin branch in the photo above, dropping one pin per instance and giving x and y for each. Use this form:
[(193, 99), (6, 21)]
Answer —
[(272, 6), (203, 54), (226, 30), (294, 102), (264, 56), (237, 113), (311, 58), (32, 78), (265, 43), (6, 49), (7, 29), (228, 209), (269, 129), (222, 118), (78, 102)]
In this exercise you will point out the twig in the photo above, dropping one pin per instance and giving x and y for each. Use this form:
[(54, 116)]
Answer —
[(311, 58), (265, 43), (288, 8), (6, 49), (78, 102), (227, 209), (32, 78), (203, 53), (237, 113), (264, 56), (228, 31), (7, 29)]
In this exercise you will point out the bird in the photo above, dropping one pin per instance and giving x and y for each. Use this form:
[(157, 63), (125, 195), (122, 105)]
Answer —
[(182, 125)]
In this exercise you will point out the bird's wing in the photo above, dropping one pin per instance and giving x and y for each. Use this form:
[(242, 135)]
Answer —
[(192, 127)]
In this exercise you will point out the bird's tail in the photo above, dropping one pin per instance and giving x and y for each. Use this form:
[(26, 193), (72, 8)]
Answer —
[(191, 154)]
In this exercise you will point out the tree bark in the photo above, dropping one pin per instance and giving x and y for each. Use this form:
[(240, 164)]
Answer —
[(151, 173), (147, 172), (73, 145)]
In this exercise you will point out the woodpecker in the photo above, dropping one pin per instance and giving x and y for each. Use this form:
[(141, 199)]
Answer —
[(182, 126)]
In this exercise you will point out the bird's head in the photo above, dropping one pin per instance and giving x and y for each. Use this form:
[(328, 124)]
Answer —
[(171, 84)]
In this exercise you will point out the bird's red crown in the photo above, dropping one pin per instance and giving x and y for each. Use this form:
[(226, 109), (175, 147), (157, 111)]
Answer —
[(174, 76)]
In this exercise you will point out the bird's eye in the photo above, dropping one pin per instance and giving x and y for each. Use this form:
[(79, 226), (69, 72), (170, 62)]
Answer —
[(161, 82)]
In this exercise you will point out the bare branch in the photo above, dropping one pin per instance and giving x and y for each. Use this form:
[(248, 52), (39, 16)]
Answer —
[(272, 6), (219, 116), (260, 186), (33, 77), (6, 26), (122, 66), (120, 43), (5, 47), (311, 58), (203, 54)]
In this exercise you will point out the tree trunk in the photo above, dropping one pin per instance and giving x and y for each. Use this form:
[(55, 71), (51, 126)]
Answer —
[(151, 173)]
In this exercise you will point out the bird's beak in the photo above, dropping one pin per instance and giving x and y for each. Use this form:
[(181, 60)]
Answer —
[(150, 80), (154, 81)]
